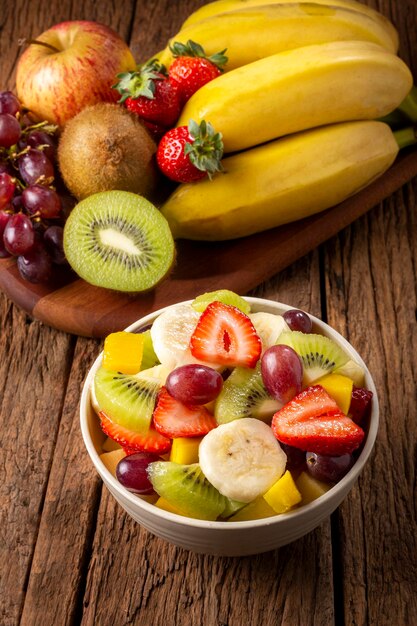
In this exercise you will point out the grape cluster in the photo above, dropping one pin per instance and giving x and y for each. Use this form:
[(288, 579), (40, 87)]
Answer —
[(32, 214)]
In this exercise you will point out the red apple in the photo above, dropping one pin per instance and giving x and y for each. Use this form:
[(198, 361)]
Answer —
[(76, 68)]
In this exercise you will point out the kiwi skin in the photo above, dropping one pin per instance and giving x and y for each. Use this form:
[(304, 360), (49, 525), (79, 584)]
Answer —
[(104, 148)]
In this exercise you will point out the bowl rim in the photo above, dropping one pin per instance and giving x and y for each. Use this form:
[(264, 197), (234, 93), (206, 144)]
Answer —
[(137, 502)]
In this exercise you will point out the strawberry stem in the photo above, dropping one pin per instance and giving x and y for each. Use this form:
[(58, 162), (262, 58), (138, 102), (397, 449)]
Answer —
[(206, 150), (194, 49)]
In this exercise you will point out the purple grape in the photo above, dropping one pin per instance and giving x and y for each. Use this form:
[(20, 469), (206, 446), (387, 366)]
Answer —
[(298, 320), (18, 236), (42, 200), (53, 239), (36, 265), (296, 458), (9, 130), (282, 372), (35, 167), (329, 469), (4, 218), (131, 472), (7, 189), (194, 384), (39, 138), (9, 103), (17, 204)]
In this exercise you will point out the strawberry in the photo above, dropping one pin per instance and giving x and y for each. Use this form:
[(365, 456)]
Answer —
[(313, 422), (192, 68), (132, 441), (174, 419), (187, 154), (226, 336), (150, 94)]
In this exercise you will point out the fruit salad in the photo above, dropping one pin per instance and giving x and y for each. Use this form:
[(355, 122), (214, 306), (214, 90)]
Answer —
[(216, 412)]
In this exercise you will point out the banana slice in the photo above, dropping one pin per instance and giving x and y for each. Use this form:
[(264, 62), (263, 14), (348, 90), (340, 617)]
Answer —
[(269, 327), (242, 459), (171, 333)]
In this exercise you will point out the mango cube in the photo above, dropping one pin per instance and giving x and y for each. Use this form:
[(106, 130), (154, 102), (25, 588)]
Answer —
[(123, 352), (339, 388), (163, 504), (185, 450), (258, 509), (110, 444), (283, 494), (310, 488), (111, 459), (352, 370)]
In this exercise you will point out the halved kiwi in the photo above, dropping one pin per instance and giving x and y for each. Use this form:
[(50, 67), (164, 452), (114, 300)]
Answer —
[(221, 295), (186, 487), (120, 241), (128, 399), (244, 395), (319, 354)]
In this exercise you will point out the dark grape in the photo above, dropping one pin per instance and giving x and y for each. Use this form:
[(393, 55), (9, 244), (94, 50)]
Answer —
[(53, 239), (360, 404), (131, 472), (35, 167), (17, 204), (7, 189), (36, 265), (42, 200), (9, 103), (9, 130), (39, 138), (298, 320), (296, 458), (282, 372), (4, 218), (194, 384), (329, 469), (19, 235)]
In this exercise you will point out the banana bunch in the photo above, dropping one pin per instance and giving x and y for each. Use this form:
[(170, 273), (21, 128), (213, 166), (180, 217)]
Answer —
[(308, 78)]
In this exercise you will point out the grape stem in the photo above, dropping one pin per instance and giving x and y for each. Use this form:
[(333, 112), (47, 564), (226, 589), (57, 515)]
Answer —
[(406, 137), (24, 42)]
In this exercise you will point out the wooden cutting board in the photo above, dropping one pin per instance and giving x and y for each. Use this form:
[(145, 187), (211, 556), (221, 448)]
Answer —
[(76, 307)]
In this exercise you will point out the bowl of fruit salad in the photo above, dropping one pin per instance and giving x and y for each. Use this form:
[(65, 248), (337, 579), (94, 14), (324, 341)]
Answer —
[(228, 425)]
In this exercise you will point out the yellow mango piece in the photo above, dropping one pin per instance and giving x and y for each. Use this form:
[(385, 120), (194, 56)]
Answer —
[(163, 504), (258, 509), (283, 494), (111, 459), (310, 488), (352, 370), (123, 352), (109, 445), (339, 388), (185, 450)]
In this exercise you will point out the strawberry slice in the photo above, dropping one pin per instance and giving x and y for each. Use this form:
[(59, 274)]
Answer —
[(132, 441), (226, 336), (175, 419), (313, 422)]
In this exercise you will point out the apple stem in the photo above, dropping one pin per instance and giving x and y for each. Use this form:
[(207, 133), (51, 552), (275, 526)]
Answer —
[(24, 42)]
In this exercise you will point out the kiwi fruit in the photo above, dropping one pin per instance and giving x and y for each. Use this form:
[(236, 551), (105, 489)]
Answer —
[(244, 395), (222, 295), (128, 399), (105, 147), (186, 488), (120, 241), (319, 354), (149, 358)]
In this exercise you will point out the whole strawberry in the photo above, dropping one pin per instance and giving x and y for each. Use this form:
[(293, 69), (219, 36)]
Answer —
[(192, 68), (150, 94), (186, 154)]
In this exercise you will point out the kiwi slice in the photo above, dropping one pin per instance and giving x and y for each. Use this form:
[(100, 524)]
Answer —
[(128, 399), (149, 358), (244, 395), (119, 241), (319, 354), (222, 295), (186, 487)]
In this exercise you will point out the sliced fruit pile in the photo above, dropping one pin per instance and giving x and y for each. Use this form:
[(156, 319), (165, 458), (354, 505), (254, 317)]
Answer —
[(220, 413)]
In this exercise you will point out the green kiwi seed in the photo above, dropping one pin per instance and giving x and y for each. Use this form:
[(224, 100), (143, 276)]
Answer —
[(120, 241)]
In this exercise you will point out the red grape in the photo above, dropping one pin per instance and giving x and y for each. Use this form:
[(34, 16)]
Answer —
[(19, 235), (194, 384), (296, 458), (34, 167), (40, 138), (7, 189), (329, 469), (9, 130), (42, 200), (360, 404), (298, 320), (282, 372), (131, 472), (4, 218), (9, 103), (53, 239), (36, 265)]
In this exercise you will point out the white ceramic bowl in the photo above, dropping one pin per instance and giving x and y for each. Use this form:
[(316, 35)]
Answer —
[(229, 538)]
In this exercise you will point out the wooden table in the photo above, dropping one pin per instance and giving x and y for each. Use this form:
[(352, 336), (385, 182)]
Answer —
[(70, 555)]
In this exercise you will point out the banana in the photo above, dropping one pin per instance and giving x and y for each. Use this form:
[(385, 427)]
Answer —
[(269, 327), (242, 459), (299, 89), (257, 32), (171, 333), (224, 6), (282, 181)]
